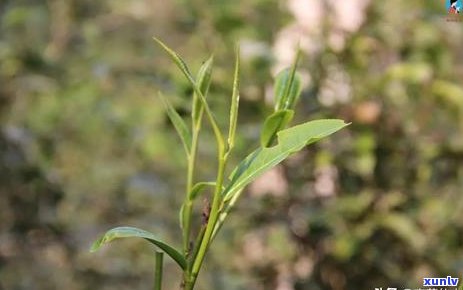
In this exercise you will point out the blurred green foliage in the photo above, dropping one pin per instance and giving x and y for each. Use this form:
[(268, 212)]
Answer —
[(85, 145)]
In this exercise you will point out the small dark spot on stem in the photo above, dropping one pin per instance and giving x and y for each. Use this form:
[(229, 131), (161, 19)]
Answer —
[(206, 211)]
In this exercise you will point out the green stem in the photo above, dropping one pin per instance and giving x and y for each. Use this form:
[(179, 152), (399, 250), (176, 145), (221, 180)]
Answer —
[(197, 244), (189, 186), (211, 222), (158, 270), (188, 280), (188, 204)]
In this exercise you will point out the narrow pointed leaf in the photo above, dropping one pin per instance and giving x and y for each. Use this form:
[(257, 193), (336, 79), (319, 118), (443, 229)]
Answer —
[(179, 124), (291, 83), (130, 232), (177, 60), (289, 141), (203, 79), (273, 124), (186, 71), (288, 86), (294, 92), (234, 101), (281, 82)]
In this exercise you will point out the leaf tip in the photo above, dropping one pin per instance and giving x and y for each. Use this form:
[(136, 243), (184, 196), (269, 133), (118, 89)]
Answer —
[(96, 245), (157, 39)]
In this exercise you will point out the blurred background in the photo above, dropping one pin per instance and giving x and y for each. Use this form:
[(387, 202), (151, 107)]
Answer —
[(85, 144)]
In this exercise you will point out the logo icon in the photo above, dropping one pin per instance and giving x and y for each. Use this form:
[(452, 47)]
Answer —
[(454, 6)]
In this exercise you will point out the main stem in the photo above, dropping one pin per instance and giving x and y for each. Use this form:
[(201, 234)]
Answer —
[(188, 204), (214, 214)]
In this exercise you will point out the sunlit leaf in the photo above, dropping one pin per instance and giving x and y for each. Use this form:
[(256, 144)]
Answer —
[(273, 124), (287, 91), (289, 141), (130, 232), (288, 87)]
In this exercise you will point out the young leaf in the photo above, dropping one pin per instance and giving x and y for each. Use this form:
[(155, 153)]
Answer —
[(281, 82), (273, 124), (203, 79), (179, 124), (294, 92), (291, 83), (289, 141), (184, 69), (235, 101), (288, 88), (178, 61), (130, 232)]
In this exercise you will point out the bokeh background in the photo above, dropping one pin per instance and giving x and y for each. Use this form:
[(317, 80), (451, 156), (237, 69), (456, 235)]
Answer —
[(85, 144)]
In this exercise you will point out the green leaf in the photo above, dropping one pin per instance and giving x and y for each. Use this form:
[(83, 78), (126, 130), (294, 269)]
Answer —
[(273, 124), (289, 141), (288, 89), (203, 79), (294, 92), (198, 187), (179, 124), (186, 71), (130, 232), (178, 61), (235, 101)]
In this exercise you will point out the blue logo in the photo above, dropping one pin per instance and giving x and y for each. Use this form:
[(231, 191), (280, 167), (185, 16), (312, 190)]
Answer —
[(454, 6)]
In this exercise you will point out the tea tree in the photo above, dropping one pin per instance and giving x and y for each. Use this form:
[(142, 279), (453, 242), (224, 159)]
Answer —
[(277, 142)]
